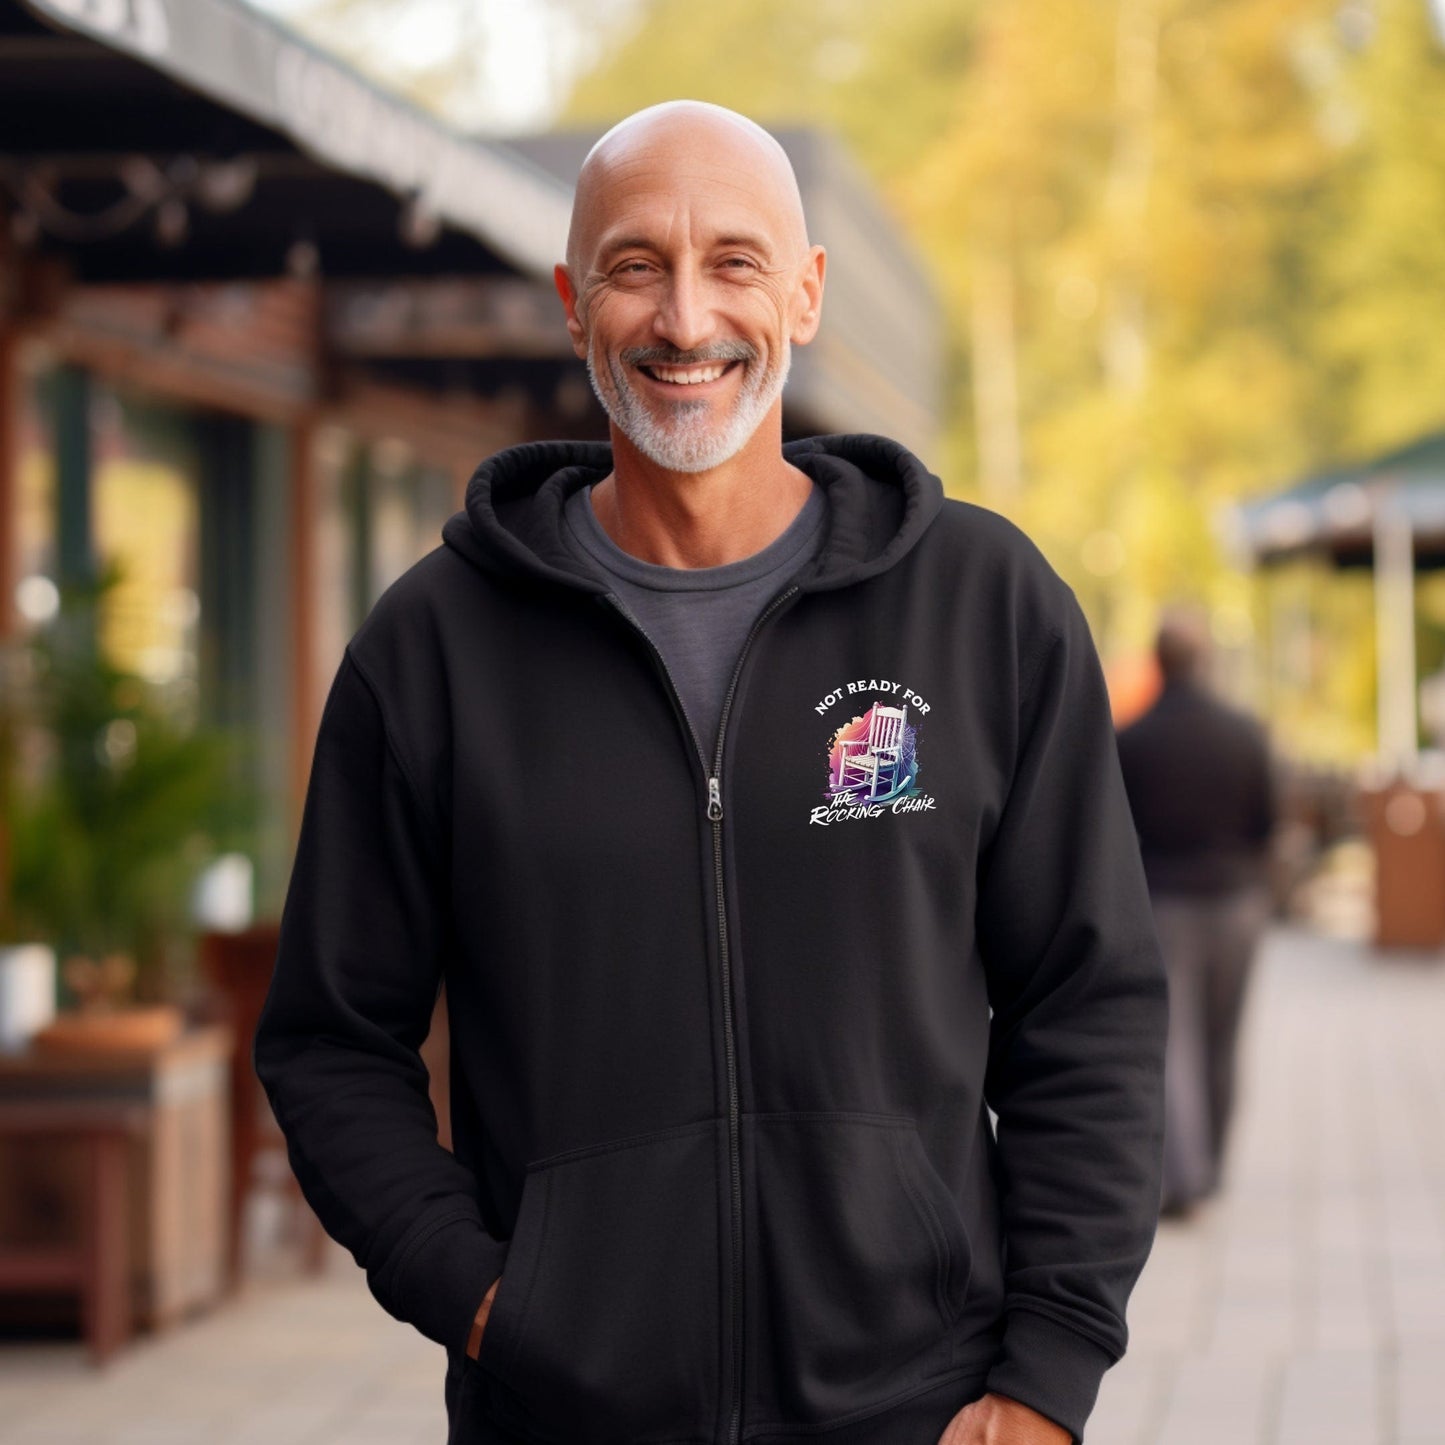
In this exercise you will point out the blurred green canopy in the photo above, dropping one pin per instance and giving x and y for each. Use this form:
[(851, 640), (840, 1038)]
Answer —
[(1333, 513)]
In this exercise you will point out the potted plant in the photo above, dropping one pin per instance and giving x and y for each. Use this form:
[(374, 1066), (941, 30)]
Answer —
[(112, 804)]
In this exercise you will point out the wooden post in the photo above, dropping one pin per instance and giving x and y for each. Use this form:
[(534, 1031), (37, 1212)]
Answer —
[(305, 692), (75, 544), (9, 477), (9, 538)]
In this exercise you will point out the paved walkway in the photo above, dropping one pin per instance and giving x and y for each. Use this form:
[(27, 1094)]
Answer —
[(1306, 1307)]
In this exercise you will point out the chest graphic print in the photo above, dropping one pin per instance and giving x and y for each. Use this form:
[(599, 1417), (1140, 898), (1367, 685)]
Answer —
[(872, 758)]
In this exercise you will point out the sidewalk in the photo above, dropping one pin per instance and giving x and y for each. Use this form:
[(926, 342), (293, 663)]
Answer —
[(285, 1363), (1305, 1307)]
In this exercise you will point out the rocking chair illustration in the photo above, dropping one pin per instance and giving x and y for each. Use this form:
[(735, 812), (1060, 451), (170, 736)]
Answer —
[(864, 773)]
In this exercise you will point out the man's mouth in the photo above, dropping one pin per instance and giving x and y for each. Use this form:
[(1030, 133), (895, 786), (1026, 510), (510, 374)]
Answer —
[(687, 375)]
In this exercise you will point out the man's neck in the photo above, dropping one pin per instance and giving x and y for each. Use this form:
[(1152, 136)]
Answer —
[(700, 519)]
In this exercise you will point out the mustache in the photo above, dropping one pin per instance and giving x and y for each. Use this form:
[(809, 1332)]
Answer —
[(668, 356)]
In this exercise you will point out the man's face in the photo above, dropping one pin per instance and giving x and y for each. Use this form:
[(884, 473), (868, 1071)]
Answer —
[(690, 286)]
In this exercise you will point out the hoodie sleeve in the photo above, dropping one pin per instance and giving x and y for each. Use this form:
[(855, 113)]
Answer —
[(1076, 1056), (362, 940)]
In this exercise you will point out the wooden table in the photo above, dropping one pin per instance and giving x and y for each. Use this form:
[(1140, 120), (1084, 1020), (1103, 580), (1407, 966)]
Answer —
[(97, 1265), (115, 1179)]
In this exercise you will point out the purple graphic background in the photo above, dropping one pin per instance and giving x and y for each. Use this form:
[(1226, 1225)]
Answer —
[(857, 730)]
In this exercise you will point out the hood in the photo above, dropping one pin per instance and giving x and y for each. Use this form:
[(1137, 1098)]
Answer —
[(881, 499)]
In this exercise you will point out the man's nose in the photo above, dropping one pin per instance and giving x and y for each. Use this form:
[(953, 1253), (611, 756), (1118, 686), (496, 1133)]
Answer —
[(685, 316)]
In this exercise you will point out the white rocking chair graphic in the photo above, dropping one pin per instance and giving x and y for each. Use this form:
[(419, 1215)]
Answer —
[(864, 773)]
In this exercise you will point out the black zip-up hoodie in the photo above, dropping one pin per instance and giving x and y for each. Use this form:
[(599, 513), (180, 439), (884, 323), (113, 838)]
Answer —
[(726, 1030)]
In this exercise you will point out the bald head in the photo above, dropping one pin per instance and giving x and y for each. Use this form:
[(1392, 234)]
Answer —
[(685, 146)]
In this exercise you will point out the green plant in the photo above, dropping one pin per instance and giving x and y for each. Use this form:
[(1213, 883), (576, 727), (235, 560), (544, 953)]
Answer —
[(113, 801)]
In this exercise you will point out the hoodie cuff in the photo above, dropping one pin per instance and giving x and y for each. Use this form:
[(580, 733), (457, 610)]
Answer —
[(1050, 1368), (443, 1277)]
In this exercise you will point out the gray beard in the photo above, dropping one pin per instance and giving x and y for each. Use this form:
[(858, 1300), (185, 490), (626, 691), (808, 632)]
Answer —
[(686, 441)]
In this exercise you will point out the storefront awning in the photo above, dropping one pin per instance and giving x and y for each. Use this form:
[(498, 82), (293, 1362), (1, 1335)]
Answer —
[(242, 59)]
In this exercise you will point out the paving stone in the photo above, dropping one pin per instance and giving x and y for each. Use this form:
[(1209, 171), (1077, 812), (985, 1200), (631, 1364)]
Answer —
[(1332, 1398), (1420, 1396), (1219, 1397)]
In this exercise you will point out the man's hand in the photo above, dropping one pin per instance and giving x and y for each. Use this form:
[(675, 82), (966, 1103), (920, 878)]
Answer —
[(997, 1420), (474, 1340)]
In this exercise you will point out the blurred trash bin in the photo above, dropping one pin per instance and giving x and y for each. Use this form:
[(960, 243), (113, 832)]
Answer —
[(1405, 820)]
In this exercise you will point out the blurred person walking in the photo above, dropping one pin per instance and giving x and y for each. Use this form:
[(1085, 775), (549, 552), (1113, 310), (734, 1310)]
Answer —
[(1201, 782)]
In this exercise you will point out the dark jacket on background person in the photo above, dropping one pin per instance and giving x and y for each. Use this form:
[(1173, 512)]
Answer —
[(1202, 789), (721, 1044)]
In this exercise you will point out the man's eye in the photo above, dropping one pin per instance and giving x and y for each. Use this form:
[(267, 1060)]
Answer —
[(633, 268), (739, 262)]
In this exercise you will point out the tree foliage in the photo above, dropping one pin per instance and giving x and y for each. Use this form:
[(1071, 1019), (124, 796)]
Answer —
[(1185, 249)]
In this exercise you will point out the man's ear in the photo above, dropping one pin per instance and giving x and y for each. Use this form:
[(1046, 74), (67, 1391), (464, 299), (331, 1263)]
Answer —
[(562, 280), (810, 289)]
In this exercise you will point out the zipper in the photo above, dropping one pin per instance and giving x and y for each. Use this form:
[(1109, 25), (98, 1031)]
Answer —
[(715, 816)]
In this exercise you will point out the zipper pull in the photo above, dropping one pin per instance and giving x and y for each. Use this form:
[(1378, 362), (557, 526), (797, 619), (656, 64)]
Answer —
[(714, 799)]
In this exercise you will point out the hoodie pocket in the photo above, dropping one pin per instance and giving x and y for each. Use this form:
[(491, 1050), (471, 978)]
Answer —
[(604, 1327), (859, 1263)]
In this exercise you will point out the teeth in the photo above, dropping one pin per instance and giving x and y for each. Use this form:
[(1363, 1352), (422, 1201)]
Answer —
[(688, 377)]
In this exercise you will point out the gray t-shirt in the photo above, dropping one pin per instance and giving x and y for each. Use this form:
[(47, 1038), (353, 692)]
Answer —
[(699, 617)]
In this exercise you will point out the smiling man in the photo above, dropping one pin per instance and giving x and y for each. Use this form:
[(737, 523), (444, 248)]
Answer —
[(723, 1163), (689, 276)]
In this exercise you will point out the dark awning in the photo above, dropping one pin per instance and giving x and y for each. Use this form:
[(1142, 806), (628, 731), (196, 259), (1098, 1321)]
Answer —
[(245, 61)]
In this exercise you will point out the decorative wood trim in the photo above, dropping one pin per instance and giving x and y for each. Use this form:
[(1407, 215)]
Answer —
[(466, 316), (251, 348), (452, 432)]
